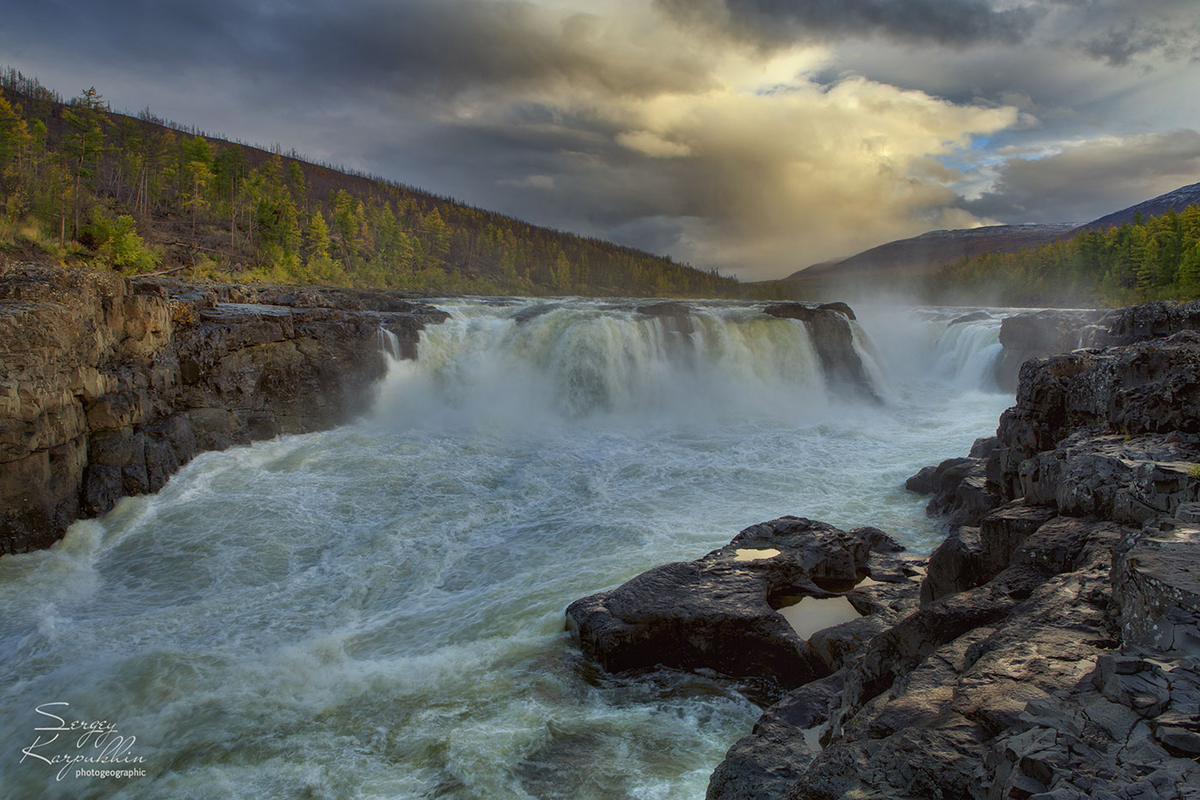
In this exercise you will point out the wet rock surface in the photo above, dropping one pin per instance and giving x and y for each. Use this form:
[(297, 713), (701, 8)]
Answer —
[(1050, 647), (1034, 334), (833, 339), (676, 317), (1037, 334), (110, 385), (720, 613)]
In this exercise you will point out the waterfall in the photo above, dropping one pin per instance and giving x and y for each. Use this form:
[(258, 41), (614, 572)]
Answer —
[(966, 354), (583, 359), (389, 343)]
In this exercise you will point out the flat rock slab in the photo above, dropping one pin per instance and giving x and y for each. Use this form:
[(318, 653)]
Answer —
[(720, 613)]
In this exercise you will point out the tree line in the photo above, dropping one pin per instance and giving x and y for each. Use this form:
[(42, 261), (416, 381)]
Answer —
[(79, 182), (1147, 259)]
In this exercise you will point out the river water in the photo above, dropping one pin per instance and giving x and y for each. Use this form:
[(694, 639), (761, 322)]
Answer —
[(377, 610)]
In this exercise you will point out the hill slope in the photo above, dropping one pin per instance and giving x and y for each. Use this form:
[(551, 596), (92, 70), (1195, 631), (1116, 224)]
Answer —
[(79, 182), (926, 253)]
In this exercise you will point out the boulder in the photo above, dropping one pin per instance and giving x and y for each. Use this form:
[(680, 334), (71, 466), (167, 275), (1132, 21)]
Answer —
[(840, 308), (960, 489), (675, 317), (720, 612), (974, 316), (833, 339)]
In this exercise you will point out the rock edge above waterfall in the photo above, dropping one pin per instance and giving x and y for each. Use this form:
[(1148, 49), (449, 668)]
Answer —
[(110, 384), (1052, 646), (833, 339)]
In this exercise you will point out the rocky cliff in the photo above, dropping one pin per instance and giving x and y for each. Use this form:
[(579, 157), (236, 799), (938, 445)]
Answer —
[(1050, 647), (1036, 334), (109, 385)]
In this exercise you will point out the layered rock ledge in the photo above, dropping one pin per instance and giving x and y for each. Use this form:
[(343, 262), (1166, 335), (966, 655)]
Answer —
[(1051, 648), (1037, 334), (109, 385)]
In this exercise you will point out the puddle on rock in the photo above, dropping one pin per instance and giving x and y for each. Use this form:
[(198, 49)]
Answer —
[(756, 554), (812, 736), (867, 581), (807, 615)]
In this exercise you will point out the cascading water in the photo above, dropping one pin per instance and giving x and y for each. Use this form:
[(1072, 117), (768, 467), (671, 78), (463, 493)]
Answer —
[(583, 361), (378, 610), (389, 344), (968, 352)]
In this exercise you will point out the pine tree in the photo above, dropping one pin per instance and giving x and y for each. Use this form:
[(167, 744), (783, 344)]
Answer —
[(14, 139), (84, 143), (195, 198), (316, 237)]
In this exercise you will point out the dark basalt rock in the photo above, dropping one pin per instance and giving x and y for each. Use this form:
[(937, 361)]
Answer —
[(1148, 321), (113, 384), (1039, 333), (792, 311), (1106, 432), (840, 308), (719, 613), (974, 316), (773, 758), (532, 312), (833, 339), (960, 489), (676, 317)]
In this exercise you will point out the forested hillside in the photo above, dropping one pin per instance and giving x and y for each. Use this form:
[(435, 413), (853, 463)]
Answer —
[(79, 182), (1147, 259)]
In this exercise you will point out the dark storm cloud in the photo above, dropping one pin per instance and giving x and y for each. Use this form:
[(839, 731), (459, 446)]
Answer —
[(449, 45), (1115, 32), (776, 22), (1118, 32), (413, 46), (1091, 179)]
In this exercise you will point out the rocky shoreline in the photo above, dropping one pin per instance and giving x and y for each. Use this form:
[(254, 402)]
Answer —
[(110, 384), (1050, 647)]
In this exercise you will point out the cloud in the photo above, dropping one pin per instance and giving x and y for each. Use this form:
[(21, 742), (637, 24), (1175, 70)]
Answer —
[(1082, 181), (777, 180), (653, 145), (529, 182), (422, 46), (1118, 33), (775, 22)]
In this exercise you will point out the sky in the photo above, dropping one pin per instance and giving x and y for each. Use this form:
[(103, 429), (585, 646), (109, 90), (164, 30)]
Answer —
[(753, 136)]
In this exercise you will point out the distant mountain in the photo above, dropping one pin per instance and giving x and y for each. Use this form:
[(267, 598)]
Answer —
[(904, 260), (929, 252), (1179, 199)]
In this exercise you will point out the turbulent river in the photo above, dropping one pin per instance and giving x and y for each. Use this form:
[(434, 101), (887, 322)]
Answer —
[(377, 610)]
